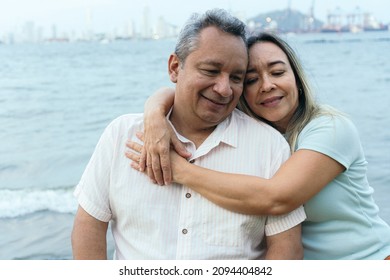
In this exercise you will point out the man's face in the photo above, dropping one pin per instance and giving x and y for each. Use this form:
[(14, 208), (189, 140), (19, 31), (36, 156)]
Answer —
[(210, 82)]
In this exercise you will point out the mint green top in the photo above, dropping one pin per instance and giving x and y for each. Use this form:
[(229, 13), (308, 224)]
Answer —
[(342, 219)]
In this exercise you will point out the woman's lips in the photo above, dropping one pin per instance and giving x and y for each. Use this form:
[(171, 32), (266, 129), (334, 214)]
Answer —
[(272, 102)]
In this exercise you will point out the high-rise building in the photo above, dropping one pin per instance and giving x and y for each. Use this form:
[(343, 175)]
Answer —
[(161, 29), (88, 25), (28, 32), (146, 27), (129, 29), (53, 32)]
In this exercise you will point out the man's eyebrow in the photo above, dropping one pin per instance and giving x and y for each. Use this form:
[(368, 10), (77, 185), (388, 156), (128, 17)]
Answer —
[(219, 65), (210, 62)]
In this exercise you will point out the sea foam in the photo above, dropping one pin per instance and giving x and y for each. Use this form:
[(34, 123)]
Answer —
[(15, 203)]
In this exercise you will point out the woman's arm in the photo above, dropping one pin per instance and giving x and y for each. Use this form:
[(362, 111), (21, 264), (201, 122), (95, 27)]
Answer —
[(301, 177), (158, 136)]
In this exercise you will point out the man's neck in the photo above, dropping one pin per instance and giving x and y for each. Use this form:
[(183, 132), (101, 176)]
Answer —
[(191, 129)]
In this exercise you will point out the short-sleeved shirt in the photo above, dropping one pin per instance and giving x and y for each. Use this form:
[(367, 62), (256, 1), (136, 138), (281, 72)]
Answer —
[(342, 219), (173, 222)]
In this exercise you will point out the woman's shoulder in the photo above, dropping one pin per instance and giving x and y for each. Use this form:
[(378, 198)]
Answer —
[(332, 134), (330, 118), (330, 126)]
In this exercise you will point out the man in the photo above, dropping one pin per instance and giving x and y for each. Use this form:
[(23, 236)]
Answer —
[(150, 222)]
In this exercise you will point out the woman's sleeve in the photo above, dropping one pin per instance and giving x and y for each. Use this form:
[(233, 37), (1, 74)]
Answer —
[(335, 136)]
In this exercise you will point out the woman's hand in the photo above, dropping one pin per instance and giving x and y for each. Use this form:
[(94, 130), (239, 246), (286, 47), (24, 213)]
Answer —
[(175, 161), (158, 139)]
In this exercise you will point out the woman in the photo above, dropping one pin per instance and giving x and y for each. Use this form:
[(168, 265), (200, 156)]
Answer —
[(326, 172)]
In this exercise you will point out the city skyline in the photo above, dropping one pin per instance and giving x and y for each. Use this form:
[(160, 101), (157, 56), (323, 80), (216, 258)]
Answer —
[(81, 18)]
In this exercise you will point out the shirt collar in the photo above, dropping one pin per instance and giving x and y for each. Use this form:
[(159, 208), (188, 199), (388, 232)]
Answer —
[(225, 132)]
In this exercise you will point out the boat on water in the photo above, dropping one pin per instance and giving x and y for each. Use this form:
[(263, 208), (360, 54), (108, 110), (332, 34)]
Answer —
[(381, 27), (354, 29)]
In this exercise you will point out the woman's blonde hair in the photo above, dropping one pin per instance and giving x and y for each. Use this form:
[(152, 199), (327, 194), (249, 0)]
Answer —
[(307, 106)]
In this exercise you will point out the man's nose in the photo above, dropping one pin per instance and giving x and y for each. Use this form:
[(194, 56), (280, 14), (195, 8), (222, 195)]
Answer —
[(222, 86)]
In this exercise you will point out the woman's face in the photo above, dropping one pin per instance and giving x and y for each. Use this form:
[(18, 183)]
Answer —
[(270, 86)]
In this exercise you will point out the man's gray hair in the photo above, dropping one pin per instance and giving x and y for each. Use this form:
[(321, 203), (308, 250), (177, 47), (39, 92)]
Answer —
[(221, 19)]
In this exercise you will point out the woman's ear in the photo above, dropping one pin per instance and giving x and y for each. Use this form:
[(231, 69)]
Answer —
[(173, 67)]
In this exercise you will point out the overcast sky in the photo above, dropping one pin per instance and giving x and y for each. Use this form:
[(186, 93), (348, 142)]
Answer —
[(108, 14)]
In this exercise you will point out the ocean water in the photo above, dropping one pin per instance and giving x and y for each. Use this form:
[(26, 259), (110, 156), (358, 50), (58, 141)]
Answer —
[(56, 99)]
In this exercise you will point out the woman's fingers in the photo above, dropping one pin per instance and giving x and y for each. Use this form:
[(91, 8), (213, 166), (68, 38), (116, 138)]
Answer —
[(134, 146), (154, 159), (144, 161), (179, 147), (166, 169), (140, 136), (161, 163), (134, 159), (137, 155), (154, 168)]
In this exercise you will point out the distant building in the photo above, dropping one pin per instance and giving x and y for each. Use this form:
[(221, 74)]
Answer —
[(290, 20), (285, 21), (28, 32), (146, 27), (355, 21)]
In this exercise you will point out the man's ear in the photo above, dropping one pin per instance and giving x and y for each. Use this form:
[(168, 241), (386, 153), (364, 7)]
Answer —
[(173, 67)]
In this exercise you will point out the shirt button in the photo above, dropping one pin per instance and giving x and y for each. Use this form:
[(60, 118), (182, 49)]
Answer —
[(192, 161), (184, 231), (188, 195)]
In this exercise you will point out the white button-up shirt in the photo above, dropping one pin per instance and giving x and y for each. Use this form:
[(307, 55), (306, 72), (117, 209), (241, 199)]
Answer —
[(173, 222)]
